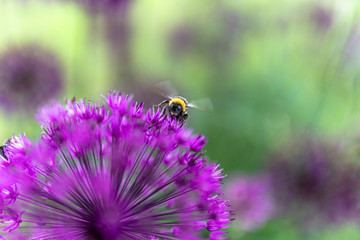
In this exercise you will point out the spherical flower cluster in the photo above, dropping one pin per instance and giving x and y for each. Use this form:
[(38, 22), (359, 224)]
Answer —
[(317, 182), (103, 6), (29, 77), (251, 200), (110, 172), (322, 17), (182, 39)]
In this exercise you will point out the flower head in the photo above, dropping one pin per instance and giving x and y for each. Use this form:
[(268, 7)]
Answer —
[(322, 17), (110, 172), (103, 6), (29, 77), (182, 39), (351, 48), (315, 180), (251, 200)]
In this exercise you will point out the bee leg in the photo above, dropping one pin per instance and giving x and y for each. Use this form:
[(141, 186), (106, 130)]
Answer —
[(164, 110), (162, 103), (163, 113), (2, 152), (183, 119)]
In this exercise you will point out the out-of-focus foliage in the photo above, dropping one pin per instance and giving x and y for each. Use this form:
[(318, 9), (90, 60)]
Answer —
[(273, 69)]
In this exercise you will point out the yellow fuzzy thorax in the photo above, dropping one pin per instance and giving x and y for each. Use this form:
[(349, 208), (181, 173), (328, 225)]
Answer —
[(180, 101)]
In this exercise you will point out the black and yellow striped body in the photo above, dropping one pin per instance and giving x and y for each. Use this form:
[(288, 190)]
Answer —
[(2, 152), (177, 108), (2, 148)]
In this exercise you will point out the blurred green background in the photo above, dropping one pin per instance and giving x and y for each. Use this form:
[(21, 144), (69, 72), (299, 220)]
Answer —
[(272, 69)]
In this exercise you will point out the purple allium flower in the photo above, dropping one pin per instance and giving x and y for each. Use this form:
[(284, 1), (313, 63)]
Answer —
[(251, 200), (116, 26), (351, 49), (103, 6), (322, 17), (110, 172), (315, 181), (182, 39), (29, 77)]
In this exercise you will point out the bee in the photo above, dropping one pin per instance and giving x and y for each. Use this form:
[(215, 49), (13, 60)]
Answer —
[(2, 152), (2, 148), (177, 106)]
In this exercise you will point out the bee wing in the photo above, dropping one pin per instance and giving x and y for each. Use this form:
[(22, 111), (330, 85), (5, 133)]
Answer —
[(165, 89), (204, 105)]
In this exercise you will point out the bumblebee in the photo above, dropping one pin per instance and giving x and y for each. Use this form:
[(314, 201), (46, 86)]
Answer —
[(176, 107), (2, 152), (2, 148)]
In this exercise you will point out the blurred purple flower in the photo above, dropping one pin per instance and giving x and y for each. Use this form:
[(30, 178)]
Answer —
[(351, 48), (29, 77), (322, 17), (116, 27), (102, 6), (182, 39), (110, 172), (251, 200), (315, 181)]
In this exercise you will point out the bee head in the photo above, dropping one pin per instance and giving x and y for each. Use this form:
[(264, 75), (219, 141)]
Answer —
[(177, 106)]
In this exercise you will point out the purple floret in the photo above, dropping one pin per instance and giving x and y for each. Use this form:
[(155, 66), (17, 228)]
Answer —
[(110, 172)]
